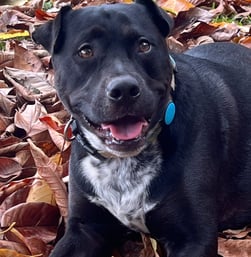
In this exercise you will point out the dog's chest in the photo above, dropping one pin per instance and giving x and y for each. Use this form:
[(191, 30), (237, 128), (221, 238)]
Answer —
[(121, 186)]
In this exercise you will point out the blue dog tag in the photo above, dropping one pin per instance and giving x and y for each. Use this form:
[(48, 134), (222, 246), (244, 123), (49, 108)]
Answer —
[(170, 113)]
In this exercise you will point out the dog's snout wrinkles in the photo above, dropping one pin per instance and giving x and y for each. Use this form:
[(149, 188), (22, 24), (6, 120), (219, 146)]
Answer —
[(123, 88)]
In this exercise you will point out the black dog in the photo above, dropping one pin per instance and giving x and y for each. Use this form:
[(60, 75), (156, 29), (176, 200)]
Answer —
[(138, 163)]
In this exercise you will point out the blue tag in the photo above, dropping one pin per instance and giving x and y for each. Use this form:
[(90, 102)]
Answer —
[(170, 113)]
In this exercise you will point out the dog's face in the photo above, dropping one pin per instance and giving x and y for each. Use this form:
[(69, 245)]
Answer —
[(112, 71)]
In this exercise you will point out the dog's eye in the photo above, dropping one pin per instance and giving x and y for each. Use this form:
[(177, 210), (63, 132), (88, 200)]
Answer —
[(85, 51), (144, 46)]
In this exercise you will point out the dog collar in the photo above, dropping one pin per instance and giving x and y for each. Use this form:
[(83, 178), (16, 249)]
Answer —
[(170, 109), (79, 136)]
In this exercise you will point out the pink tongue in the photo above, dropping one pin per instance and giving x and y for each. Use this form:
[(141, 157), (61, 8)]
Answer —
[(125, 130)]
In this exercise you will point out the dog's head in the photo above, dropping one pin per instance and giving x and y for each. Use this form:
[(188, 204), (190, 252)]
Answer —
[(112, 71)]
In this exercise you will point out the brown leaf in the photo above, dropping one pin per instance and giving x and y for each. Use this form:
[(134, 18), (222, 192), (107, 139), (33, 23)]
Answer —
[(40, 192), (225, 32), (59, 139), (9, 245), (246, 41), (28, 119), (7, 190), (23, 157), (175, 6), (12, 17), (56, 131), (30, 85), (6, 59), (148, 250), (197, 30), (15, 147), (17, 197), (4, 122), (234, 248), (220, 8), (7, 104), (34, 238), (239, 233), (186, 19), (9, 169), (31, 214), (48, 170), (12, 253), (26, 60)]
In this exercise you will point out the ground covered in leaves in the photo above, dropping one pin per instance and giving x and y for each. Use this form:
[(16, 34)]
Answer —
[(33, 153)]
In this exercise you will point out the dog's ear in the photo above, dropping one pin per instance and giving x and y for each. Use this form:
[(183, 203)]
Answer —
[(162, 20), (48, 34)]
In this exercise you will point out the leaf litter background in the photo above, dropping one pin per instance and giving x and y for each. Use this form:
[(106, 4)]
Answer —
[(33, 153)]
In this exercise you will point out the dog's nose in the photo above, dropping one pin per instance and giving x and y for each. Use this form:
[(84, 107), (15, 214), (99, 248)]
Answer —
[(123, 88)]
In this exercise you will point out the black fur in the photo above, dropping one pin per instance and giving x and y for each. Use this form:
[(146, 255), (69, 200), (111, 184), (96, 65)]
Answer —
[(193, 177)]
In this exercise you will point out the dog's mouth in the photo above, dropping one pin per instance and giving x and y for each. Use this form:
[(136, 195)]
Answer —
[(122, 133), (127, 128)]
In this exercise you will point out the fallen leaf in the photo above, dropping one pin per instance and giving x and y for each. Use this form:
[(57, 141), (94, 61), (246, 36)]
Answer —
[(9, 169), (4, 122), (10, 188), (6, 59), (13, 246), (14, 34), (199, 29), (40, 192), (185, 20), (237, 233), (26, 60), (28, 119), (31, 214), (225, 32), (42, 15), (7, 104), (246, 41), (17, 197), (56, 131), (234, 248), (47, 169), (13, 253), (35, 238), (30, 85), (175, 6)]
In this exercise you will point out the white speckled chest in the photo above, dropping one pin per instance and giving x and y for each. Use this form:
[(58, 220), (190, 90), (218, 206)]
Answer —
[(121, 186)]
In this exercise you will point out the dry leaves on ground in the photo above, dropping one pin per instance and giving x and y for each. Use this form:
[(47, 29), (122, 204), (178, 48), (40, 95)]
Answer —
[(33, 153)]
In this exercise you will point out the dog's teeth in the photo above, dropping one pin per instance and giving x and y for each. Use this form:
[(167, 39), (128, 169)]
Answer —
[(108, 133)]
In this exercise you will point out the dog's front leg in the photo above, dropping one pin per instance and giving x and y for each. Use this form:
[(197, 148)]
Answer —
[(91, 232), (80, 240)]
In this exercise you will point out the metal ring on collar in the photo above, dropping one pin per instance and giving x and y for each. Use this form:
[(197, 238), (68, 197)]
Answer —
[(67, 130)]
